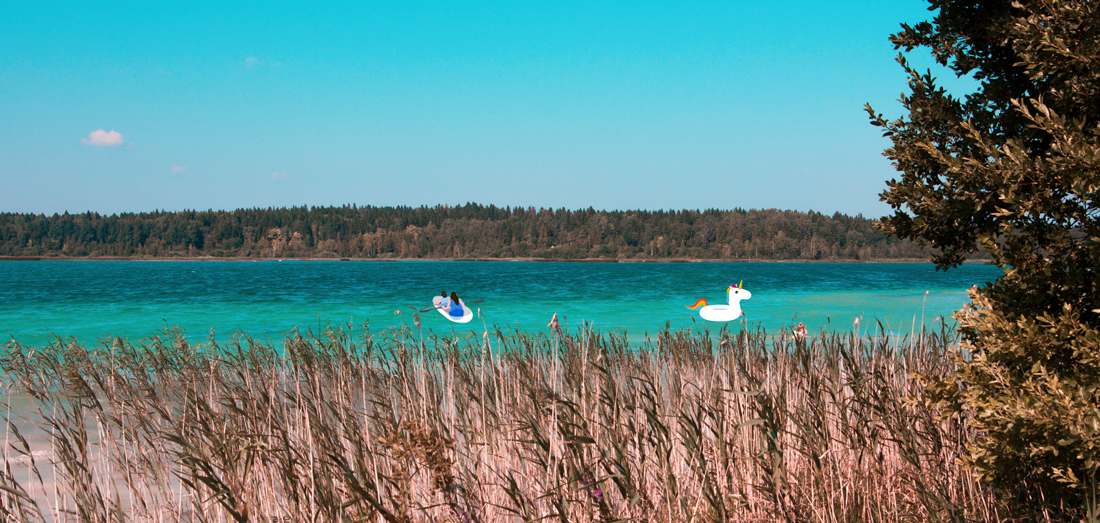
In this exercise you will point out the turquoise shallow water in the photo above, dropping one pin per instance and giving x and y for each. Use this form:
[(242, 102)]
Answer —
[(90, 300)]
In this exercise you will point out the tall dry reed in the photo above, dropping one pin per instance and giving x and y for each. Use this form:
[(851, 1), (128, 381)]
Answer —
[(402, 426)]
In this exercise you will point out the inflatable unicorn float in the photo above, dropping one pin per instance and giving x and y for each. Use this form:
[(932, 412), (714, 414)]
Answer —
[(724, 312)]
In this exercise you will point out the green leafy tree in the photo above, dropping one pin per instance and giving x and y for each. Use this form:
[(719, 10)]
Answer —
[(1013, 168)]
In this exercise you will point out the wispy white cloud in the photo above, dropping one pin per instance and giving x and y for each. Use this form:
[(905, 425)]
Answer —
[(101, 138), (279, 175), (253, 62), (178, 168)]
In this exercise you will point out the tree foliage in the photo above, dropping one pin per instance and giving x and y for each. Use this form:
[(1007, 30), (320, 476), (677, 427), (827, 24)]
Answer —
[(460, 232), (1013, 169)]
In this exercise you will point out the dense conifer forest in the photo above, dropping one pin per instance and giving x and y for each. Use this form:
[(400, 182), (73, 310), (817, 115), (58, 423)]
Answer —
[(470, 231)]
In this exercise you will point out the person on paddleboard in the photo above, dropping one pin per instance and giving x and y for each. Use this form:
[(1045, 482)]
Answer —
[(457, 310), (452, 305)]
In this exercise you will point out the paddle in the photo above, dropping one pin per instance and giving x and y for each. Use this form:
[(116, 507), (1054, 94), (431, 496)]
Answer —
[(467, 303)]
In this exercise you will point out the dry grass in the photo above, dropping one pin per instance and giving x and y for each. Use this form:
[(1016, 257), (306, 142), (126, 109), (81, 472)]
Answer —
[(399, 426)]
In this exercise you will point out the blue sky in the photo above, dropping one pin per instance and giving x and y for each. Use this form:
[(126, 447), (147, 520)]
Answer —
[(611, 105)]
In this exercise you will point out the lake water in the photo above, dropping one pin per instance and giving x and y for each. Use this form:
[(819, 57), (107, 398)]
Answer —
[(90, 300)]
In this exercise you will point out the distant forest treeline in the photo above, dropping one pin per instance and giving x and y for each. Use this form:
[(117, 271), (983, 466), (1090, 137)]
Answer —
[(469, 231)]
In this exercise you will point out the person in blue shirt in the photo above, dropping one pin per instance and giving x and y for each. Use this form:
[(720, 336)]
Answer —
[(456, 310)]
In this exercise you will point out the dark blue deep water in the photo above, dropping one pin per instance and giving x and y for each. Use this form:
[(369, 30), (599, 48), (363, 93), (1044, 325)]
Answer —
[(92, 299)]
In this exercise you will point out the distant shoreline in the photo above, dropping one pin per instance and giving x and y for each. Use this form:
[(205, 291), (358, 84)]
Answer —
[(532, 260)]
